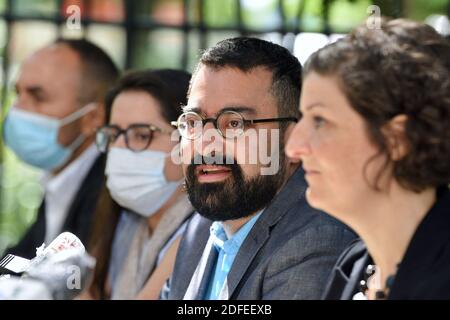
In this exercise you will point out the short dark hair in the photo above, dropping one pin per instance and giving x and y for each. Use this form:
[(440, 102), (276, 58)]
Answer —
[(401, 68), (98, 72), (168, 86), (247, 53)]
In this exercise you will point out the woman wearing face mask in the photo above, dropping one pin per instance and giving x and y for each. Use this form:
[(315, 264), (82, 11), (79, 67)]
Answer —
[(374, 141), (137, 234)]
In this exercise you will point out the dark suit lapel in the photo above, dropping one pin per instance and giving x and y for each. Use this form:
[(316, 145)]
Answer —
[(353, 282), (196, 236), (290, 193), (33, 238), (197, 284), (207, 273), (249, 249)]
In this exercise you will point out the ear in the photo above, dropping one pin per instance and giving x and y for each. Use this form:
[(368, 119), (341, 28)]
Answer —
[(396, 140), (93, 120)]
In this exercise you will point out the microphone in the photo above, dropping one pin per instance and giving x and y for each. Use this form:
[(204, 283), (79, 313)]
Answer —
[(59, 271)]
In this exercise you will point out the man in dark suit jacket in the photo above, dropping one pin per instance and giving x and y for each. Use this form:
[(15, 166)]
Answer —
[(79, 216), (255, 236), (288, 254), (60, 92)]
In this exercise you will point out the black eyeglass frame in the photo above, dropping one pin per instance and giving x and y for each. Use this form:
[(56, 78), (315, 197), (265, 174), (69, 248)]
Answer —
[(204, 120), (120, 131)]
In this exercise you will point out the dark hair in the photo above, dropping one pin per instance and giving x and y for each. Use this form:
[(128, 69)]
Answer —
[(249, 53), (105, 220), (99, 72), (168, 86), (401, 68)]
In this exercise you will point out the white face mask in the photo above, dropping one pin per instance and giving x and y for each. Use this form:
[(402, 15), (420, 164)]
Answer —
[(136, 180)]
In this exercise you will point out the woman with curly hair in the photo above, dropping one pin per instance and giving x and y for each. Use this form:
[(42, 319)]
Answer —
[(374, 141)]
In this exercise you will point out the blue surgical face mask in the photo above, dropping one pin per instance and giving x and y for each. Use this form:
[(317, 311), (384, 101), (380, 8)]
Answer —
[(136, 180), (34, 137)]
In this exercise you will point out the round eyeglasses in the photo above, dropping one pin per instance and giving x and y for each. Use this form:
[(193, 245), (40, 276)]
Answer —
[(230, 124), (137, 136)]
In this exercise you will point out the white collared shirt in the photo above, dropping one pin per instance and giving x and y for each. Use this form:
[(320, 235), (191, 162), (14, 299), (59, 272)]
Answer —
[(60, 191)]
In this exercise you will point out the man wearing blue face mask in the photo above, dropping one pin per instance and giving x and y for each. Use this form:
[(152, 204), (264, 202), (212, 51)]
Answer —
[(34, 137), (51, 126)]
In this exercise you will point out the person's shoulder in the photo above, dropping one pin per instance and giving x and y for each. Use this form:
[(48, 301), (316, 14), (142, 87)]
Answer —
[(343, 282), (352, 253), (318, 238), (197, 221), (197, 231), (302, 218), (305, 231)]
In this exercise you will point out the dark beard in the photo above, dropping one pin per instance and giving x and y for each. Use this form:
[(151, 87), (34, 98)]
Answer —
[(235, 197)]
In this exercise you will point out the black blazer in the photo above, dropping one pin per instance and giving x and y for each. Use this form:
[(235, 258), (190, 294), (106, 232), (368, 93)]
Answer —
[(424, 272), (79, 218)]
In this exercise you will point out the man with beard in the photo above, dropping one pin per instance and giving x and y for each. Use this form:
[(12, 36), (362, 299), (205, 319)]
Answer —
[(254, 236)]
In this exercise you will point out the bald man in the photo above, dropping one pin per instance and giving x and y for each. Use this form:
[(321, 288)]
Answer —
[(51, 126)]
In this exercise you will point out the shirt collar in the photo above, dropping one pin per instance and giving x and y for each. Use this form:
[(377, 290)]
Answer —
[(73, 173), (232, 245)]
